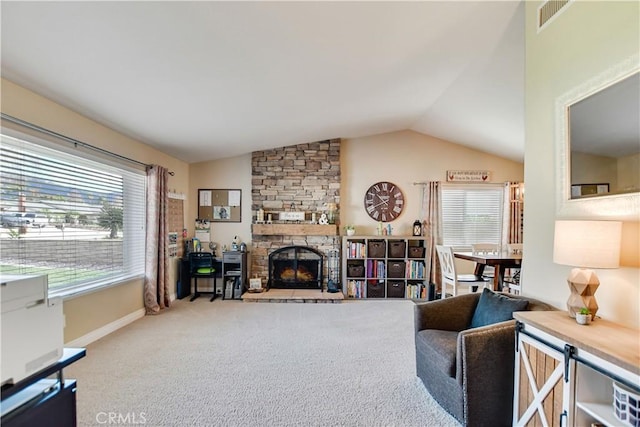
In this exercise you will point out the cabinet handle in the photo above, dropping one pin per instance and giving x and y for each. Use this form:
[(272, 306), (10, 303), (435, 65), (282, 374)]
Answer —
[(569, 351), (562, 415)]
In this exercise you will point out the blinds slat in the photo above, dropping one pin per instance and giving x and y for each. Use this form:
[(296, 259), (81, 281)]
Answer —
[(77, 200), (471, 214)]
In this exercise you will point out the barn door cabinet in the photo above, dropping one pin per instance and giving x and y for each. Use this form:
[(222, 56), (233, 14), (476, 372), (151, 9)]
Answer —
[(564, 372)]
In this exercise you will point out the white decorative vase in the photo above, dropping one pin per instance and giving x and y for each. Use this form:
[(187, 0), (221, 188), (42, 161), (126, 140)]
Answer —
[(351, 231)]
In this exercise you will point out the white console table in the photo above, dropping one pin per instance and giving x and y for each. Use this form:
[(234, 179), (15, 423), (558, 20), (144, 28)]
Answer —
[(564, 371)]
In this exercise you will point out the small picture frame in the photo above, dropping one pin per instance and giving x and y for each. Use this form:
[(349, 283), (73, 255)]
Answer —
[(586, 190), (221, 213), (255, 283)]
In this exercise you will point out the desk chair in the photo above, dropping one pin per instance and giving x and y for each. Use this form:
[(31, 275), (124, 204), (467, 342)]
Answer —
[(201, 266), (450, 276)]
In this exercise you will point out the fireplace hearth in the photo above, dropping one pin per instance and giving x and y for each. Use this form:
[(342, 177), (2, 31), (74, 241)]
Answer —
[(295, 267)]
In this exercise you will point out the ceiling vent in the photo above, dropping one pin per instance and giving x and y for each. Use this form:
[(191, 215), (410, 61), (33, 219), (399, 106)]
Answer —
[(549, 10)]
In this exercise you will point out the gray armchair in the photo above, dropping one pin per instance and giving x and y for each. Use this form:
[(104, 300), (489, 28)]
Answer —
[(468, 371)]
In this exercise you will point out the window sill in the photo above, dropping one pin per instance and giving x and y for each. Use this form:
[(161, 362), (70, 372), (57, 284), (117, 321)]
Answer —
[(80, 290)]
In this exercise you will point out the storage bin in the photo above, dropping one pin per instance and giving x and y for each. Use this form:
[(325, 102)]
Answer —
[(376, 249), (416, 252), (396, 249), (626, 405), (395, 269), (355, 270), (395, 289), (375, 289)]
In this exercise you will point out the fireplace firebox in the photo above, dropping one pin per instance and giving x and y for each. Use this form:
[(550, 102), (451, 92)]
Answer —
[(295, 267)]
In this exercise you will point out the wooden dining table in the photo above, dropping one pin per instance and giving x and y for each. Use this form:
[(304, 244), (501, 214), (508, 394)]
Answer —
[(499, 261)]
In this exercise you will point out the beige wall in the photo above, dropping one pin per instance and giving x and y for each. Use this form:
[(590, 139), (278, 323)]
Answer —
[(91, 311), (591, 169), (582, 42), (231, 173), (629, 173), (404, 158)]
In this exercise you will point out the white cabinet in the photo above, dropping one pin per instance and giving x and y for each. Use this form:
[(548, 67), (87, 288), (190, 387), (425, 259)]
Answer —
[(564, 372)]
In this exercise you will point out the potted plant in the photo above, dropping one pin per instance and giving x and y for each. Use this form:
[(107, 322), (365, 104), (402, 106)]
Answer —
[(583, 317), (350, 230)]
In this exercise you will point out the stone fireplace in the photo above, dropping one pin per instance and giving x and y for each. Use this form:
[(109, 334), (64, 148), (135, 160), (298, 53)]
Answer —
[(295, 267), (304, 178)]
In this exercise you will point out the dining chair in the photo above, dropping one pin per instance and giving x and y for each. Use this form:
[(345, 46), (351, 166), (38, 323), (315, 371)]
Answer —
[(485, 248), (201, 266), (514, 248), (449, 275), (513, 279)]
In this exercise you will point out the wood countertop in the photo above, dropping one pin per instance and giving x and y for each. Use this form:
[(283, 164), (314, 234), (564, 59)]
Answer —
[(610, 341)]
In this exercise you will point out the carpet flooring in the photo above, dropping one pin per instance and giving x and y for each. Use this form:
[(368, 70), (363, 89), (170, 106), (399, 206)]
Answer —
[(229, 363)]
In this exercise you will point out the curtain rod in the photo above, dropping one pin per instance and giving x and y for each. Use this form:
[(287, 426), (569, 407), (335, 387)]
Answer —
[(73, 140)]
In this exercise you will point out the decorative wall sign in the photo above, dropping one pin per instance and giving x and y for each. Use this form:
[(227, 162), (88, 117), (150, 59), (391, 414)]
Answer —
[(468, 176)]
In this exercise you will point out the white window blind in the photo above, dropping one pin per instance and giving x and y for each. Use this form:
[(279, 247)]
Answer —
[(471, 214), (77, 219)]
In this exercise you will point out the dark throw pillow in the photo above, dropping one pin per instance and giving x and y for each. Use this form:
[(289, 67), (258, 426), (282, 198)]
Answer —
[(493, 308)]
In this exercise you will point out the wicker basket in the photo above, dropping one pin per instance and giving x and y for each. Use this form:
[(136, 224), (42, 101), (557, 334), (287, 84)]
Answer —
[(396, 249), (376, 249), (416, 252)]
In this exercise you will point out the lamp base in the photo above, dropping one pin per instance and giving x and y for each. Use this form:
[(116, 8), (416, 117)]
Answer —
[(583, 284)]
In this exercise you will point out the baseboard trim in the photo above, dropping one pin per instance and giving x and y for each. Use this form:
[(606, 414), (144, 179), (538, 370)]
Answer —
[(105, 330)]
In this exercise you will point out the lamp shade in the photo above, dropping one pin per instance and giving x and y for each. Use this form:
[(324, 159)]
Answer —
[(587, 244)]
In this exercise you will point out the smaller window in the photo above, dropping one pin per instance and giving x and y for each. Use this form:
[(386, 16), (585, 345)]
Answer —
[(471, 214)]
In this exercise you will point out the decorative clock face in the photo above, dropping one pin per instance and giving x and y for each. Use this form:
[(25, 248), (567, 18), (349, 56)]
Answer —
[(384, 201)]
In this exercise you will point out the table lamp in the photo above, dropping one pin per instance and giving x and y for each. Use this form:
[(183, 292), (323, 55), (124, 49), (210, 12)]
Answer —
[(586, 245)]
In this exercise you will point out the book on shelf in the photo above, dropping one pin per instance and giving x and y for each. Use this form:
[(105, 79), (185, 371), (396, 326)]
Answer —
[(415, 270), (357, 250), (376, 269), (355, 289), (416, 291)]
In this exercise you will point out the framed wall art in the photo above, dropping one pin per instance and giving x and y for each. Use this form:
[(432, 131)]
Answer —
[(220, 205)]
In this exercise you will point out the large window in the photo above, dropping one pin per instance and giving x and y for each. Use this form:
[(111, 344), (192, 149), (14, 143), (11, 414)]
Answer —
[(79, 220), (471, 214)]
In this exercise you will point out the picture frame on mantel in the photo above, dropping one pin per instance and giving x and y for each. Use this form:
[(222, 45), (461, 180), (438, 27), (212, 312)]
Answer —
[(220, 205)]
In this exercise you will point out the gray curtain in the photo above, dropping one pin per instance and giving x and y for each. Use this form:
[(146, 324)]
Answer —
[(432, 223), (156, 279)]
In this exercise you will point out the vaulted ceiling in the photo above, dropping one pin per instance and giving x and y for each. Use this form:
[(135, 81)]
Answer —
[(209, 80)]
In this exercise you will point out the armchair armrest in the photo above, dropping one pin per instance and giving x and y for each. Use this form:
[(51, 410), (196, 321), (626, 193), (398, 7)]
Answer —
[(485, 365), (450, 314)]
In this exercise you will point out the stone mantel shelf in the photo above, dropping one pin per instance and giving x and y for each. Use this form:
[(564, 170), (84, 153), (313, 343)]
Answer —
[(295, 230)]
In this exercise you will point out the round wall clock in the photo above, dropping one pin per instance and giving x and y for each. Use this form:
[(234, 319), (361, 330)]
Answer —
[(384, 201)]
